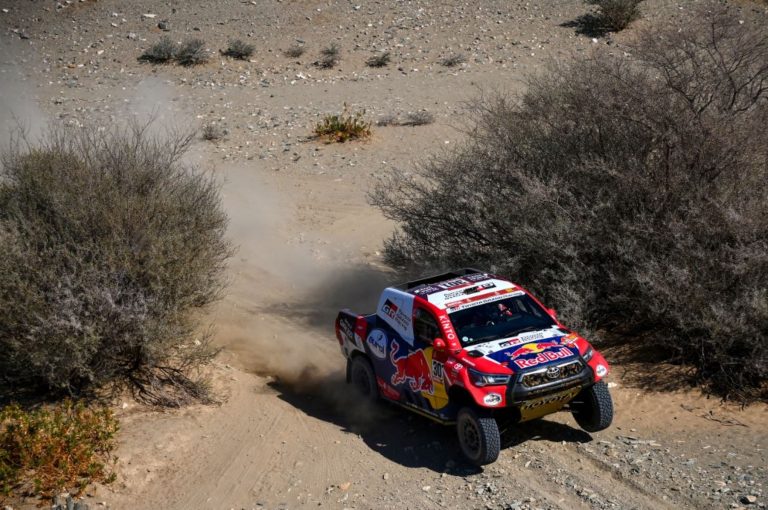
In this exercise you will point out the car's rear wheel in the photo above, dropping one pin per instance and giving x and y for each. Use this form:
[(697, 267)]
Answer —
[(479, 436), (363, 378), (593, 408)]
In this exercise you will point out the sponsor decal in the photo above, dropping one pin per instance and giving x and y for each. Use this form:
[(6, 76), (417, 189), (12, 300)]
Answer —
[(476, 301), (569, 340), (386, 390), (437, 370), (600, 370), (560, 397), (429, 289), (346, 328), (477, 277), (544, 357), (389, 309), (531, 348), (445, 324), (412, 369), (492, 399), (458, 282), (377, 343)]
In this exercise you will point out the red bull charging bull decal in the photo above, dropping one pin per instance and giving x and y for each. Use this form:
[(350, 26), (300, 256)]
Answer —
[(412, 369)]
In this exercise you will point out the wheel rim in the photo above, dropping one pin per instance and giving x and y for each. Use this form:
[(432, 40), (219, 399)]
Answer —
[(470, 436)]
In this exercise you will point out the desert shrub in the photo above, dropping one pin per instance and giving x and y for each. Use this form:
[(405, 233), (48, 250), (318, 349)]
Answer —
[(615, 15), (212, 132), (109, 250), (295, 51), (239, 49), (388, 119), (53, 448), (418, 118), (453, 60), (629, 190), (192, 52), (329, 56), (161, 52), (380, 60), (343, 127)]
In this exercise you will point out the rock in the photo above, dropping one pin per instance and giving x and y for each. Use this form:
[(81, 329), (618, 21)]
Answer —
[(81, 505), (148, 16), (132, 36), (385, 476), (748, 500), (345, 486), (70, 503), (164, 25)]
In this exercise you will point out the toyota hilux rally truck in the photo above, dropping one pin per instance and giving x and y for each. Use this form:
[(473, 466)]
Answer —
[(473, 349)]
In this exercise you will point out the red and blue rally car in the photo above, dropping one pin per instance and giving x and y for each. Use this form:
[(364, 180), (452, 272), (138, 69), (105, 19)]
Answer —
[(472, 349)]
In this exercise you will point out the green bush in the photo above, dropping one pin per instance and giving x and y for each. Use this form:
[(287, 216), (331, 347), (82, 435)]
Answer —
[(109, 249), (629, 190), (380, 60), (55, 448), (343, 127), (329, 56)]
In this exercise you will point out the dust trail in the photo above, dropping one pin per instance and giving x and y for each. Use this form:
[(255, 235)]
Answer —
[(19, 109)]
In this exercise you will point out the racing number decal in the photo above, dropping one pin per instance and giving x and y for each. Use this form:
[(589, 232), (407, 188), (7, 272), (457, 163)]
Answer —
[(437, 370)]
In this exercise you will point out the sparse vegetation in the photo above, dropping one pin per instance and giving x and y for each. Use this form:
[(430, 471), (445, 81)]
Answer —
[(212, 132), (629, 190), (53, 448), (109, 250), (380, 60), (453, 60), (615, 15), (239, 49), (389, 119), (418, 118), (329, 56), (162, 52), (295, 51), (192, 52), (343, 127)]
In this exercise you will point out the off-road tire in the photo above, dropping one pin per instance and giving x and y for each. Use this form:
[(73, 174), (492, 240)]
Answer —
[(363, 379), (479, 437), (593, 408)]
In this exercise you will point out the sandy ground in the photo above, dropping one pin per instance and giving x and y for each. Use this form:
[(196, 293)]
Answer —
[(287, 434)]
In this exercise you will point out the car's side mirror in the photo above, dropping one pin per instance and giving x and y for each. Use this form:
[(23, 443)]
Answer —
[(552, 312), (439, 344)]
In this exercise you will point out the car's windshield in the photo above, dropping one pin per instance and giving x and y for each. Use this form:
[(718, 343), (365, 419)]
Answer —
[(500, 319)]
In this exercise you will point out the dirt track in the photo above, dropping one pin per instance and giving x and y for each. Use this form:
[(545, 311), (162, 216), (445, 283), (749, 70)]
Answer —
[(287, 435)]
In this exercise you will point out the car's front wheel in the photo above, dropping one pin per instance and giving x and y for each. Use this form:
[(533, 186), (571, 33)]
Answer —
[(593, 408), (363, 378), (479, 436)]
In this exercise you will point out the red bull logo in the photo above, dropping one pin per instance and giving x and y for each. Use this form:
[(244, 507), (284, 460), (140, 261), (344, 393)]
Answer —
[(545, 357), (412, 369), (532, 348)]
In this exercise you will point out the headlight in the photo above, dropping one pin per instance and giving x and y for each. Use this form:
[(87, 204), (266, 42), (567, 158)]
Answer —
[(482, 379), (588, 354)]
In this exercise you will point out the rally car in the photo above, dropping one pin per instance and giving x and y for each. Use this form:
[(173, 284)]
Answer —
[(473, 349)]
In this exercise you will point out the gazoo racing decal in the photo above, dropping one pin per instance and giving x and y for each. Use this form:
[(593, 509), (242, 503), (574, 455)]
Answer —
[(389, 309), (377, 343), (484, 299), (543, 357)]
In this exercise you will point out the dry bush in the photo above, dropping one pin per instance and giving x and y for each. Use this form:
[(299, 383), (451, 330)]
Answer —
[(615, 15), (162, 52), (343, 127), (192, 52), (453, 60), (418, 118), (329, 56), (109, 249), (212, 132), (55, 448), (295, 51), (239, 49), (629, 190), (380, 60)]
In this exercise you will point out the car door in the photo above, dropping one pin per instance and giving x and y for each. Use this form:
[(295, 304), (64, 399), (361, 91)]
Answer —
[(426, 329)]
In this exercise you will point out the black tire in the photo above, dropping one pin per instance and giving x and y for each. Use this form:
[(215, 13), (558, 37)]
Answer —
[(362, 377), (593, 408), (479, 437)]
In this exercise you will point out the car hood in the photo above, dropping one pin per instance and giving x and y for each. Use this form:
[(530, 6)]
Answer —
[(530, 349)]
